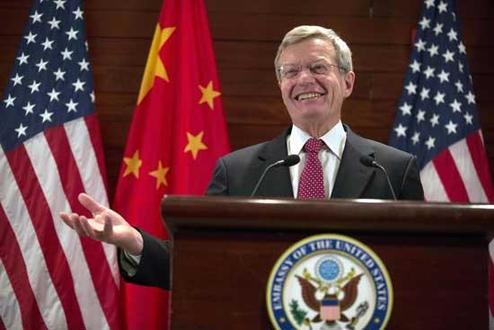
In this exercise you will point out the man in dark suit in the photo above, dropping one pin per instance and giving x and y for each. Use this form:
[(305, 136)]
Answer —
[(315, 75), (237, 173)]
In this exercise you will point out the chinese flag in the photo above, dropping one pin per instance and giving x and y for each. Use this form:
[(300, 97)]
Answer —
[(178, 132)]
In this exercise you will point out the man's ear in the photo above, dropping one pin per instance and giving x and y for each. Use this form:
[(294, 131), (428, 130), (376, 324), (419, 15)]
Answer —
[(349, 82)]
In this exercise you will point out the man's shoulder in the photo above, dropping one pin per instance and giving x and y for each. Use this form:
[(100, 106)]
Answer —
[(378, 147), (262, 150), (384, 148), (246, 153)]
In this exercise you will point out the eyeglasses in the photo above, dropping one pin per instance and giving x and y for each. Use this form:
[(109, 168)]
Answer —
[(290, 71)]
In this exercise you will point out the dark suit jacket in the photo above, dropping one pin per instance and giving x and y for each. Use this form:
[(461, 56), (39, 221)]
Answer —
[(237, 173)]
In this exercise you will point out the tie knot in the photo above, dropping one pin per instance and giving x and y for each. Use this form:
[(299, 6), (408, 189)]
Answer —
[(313, 145)]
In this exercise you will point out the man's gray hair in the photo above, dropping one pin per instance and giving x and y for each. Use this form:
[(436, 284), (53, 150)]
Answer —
[(304, 32)]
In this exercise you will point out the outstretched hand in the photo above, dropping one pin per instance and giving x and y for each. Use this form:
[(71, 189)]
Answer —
[(105, 225)]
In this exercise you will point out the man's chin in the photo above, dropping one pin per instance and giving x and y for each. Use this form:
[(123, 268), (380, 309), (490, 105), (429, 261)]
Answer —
[(312, 113)]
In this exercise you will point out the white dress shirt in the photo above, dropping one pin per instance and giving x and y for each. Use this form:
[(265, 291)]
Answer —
[(330, 156)]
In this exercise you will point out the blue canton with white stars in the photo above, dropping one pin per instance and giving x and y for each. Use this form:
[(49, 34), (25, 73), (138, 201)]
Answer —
[(51, 82), (437, 105)]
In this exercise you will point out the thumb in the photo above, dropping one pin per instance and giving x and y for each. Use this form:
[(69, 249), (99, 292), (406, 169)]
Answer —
[(89, 203)]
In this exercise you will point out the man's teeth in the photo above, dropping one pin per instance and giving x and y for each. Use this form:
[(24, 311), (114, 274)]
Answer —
[(306, 96)]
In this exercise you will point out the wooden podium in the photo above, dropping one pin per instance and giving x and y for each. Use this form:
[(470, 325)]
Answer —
[(224, 249)]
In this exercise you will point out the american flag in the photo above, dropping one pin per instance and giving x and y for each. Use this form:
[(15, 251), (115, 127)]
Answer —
[(437, 118), (51, 151)]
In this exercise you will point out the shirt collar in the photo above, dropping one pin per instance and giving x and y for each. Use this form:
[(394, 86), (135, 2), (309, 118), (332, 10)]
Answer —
[(334, 139)]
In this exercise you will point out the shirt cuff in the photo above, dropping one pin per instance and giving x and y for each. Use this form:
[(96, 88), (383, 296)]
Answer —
[(129, 262)]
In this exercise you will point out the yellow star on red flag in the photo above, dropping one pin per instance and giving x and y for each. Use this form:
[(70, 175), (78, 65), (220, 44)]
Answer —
[(208, 94), (195, 144), (133, 164), (160, 175), (154, 64)]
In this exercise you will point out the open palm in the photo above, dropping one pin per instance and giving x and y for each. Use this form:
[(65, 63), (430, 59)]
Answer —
[(105, 225)]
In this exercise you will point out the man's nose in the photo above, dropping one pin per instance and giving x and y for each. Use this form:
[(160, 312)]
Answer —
[(305, 74)]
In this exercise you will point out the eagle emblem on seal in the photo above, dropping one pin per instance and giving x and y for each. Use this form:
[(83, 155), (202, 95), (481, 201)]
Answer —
[(330, 293)]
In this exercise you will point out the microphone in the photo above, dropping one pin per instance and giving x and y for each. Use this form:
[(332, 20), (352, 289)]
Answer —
[(369, 161), (288, 161)]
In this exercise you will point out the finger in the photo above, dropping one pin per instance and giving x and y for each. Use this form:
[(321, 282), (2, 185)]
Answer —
[(94, 228), (75, 220), (86, 227), (89, 203), (66, 218), (108, 229)]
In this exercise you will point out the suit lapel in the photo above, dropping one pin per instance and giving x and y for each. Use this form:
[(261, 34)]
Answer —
[(277, 182), (351, 180), (353, 176)]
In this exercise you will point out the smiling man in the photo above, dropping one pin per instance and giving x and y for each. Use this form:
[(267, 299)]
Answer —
[(315, 75)]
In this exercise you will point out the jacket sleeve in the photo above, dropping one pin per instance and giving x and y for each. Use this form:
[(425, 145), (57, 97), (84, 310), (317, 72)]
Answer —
[(154, 266)]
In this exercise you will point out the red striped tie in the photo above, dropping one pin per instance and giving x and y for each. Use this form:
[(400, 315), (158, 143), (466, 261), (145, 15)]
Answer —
[(311, 183)]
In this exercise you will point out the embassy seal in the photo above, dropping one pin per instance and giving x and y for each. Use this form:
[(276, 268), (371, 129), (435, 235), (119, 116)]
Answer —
[(329, 282)]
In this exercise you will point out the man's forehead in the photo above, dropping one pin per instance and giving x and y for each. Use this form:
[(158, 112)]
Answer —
[(309, 48)]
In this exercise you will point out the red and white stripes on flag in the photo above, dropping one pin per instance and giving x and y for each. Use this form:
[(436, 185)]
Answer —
[(437, 117), (459, 173), (49, 276)]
